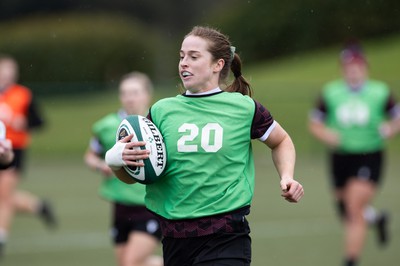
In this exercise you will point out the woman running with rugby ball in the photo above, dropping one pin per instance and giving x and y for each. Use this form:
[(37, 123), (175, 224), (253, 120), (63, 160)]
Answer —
[(206, 191)]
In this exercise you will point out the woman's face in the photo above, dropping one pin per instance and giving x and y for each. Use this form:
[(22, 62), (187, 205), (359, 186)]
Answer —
[(197, 69), (355, 73), (8, 73), (134, 97)]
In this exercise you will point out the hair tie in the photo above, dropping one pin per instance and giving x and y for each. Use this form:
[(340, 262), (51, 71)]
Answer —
[(233, 49), (236, 75)]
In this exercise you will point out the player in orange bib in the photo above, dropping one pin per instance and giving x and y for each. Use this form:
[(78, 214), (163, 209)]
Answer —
[(19, 115)]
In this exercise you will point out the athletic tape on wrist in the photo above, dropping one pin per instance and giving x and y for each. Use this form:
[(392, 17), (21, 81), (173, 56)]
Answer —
[(114, 156)]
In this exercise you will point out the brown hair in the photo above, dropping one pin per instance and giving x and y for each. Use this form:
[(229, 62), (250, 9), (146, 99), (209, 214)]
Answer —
[(220, 48), (141, 77)]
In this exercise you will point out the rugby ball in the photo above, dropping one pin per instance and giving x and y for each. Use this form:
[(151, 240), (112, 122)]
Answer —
[(144, 130)]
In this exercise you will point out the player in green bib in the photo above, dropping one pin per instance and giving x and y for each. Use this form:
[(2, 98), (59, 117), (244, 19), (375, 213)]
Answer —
[(211, 141), (206, 191), (135, 231), (353, 117)]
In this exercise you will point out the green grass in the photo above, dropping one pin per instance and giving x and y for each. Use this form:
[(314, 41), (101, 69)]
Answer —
[(307, 233), (283, 234)]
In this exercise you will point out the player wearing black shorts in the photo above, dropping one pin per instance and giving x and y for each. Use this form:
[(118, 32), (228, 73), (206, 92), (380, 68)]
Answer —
[(134, 230), (353, 117), (206, 191)]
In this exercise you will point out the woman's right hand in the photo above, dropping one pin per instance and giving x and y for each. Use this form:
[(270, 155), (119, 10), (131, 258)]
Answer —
[(125, 152)]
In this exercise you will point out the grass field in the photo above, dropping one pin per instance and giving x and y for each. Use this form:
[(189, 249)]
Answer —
[(283, 234)]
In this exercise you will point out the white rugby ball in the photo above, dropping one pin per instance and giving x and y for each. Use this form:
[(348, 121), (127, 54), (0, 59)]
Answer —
[(144, 130)]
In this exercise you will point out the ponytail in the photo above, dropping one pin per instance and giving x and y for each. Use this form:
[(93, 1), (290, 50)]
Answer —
[(239, 83)]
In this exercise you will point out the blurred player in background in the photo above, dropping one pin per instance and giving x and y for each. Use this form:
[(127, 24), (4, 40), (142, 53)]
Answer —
[(135, 231), (206, 191), (19, 114), (353, 117)]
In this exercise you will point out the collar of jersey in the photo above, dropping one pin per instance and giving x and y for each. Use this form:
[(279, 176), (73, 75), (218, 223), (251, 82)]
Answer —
[(202, 94)]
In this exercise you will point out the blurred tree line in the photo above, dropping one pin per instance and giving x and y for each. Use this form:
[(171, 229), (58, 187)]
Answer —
[(271, 28), (93, 42)]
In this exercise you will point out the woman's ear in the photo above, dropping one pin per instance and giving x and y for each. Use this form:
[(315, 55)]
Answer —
[(219, 65)]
